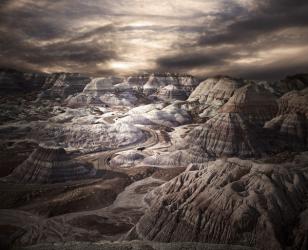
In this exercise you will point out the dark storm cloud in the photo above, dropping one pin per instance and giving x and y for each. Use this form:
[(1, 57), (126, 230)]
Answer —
[(40, 35), (26, 55), (185, 61), (193, 36), (270, 16), (268, 25)]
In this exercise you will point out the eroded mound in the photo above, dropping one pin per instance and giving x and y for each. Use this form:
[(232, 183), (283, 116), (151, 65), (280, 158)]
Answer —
[(50, 165), (228, 134), (230, 201), (212, 94), (291, 123), (253, 101)]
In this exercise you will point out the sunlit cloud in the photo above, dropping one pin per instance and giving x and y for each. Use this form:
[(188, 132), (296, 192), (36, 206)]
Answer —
[(202, 37)]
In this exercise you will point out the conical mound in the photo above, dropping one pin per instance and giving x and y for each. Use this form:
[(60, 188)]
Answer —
[(216, 89), (294, 102), (228, 134), (212, 94), (51, 165), (253, 101), (292, 122)]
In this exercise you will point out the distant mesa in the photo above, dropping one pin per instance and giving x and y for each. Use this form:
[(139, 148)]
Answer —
[(50, 165), (158, 81), (133, 90), (13, 81), (55, 85), (64, 84), (82, 100), (290, 83), (99, 86), (171, 92)]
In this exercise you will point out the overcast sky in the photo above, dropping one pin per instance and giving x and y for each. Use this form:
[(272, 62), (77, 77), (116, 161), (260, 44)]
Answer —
[(247, 38)]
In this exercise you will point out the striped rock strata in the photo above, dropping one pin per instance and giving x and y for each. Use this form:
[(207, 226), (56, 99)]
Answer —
[(171, 92), (228, 134), (50, 165), (257, 104), (290, 83), (291, 123), (158, 81), (237, 129), (230, 201), (212, 94)]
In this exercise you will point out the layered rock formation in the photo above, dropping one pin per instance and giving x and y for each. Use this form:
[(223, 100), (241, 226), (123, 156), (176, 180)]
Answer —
[(50, 165), (127, 159), (237, 128), (291, 123), (294, 102), (107, 91), (171, 92), (169, 116), (137, 81), (212, 94), (228, 134), (290, 83), (82, 100), (61, 85), (13, 81), (255, 103), (99, 86), (230, 201), (56, 85), (177, 158), (158, 81)]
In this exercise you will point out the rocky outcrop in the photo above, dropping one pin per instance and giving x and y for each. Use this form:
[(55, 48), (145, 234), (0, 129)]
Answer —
[(137, 81), (169, 116), (50, 165), (20, 228), (212, 94), (237, 128), (13, 81), (99, 86), (158, 81), (229, 134), (290, 83), (257, 104), (56, 85), (169, 85), (171, 92), (127, 159), (67, 84), (291, 123), (230, 201), (82, 100), (107, 91), (291, 130), (177, 158), (294, 102)]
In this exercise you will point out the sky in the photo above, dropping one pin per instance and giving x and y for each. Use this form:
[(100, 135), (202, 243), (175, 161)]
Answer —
[(255, 39)]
